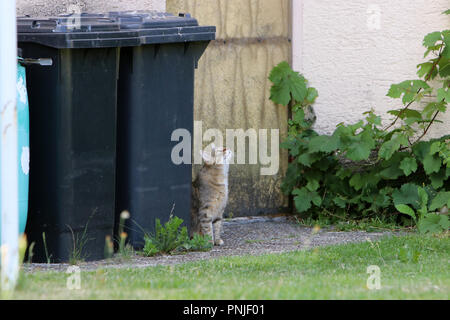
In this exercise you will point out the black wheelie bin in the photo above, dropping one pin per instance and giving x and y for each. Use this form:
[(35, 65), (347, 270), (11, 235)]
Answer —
[(73, 106), (156, 97)]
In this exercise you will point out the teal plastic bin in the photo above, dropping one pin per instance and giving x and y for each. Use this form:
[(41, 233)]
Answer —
[(23, 147)]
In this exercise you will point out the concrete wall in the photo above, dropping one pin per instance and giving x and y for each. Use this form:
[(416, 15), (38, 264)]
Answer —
[(352, 59), (232, 89), (52, 7)]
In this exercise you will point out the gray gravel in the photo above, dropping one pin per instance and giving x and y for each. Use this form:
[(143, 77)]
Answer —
[(242, 236)]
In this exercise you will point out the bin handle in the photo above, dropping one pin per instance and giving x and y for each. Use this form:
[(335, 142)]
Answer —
[(40, 61)]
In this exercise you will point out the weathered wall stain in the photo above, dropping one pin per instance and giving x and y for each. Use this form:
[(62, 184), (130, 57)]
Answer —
[(232, 88)]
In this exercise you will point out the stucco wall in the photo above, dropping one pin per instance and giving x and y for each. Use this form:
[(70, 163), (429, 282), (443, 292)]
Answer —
[(232, 89), (52, 7), (352, 60)]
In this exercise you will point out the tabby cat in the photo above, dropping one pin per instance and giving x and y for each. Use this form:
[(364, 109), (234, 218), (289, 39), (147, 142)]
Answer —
[(210, 194)]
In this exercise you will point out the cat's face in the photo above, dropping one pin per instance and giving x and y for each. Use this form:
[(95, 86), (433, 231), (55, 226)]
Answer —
[(217, 156)]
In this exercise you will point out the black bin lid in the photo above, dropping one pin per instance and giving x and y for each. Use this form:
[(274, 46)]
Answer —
[(151, 19), (112, 29)]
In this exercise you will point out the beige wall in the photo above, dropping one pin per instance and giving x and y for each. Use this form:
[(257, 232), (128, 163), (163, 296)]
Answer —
[(232, 90), (352, 63), (52, 7)]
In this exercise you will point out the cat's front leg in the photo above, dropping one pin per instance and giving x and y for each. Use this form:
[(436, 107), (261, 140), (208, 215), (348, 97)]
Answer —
[(217, 225)]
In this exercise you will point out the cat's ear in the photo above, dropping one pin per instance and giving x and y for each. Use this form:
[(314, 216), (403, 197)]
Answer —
[(227, 156), (206, 156), (213, 150)]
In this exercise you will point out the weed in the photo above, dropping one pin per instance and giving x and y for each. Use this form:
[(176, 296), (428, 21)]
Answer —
[(126, 250), (173, 238), (30, 252), (77, 254), (166, 238), (198, 243), (47, 256), (109, 247)]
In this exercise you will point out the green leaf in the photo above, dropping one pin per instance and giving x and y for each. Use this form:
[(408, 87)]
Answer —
[(432, 107), (317, 200), (421, 149), (307, 159), (391, 173), (408, 89), (303, 199), (312, 185), (357, 181), (382, 198), (358, 152), (408, 165), (435, 147), (407, 194), (437, 179), (431, 39), (389, 147), (312, 95), (291, 180), (444, 70), (423, 196), (406, 113), (446, 52), (297, 86), (444, 222), (443, 94), (340, 202), (405, 209), (433, 223), (373, 119), (279, 72), (442, 199), (287, 84), (360, 149), (324, 143), (280, 94), (411, 113), (424, 69), (299, 117), (431, 163)]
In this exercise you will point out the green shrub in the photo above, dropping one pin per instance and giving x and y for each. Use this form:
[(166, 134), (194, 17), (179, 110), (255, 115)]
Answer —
[(364, 169)]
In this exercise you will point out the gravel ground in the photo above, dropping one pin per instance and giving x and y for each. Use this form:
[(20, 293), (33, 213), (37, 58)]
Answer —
[(242, 236)]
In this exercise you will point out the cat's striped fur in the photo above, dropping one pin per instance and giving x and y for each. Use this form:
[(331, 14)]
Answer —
[(210, 194)]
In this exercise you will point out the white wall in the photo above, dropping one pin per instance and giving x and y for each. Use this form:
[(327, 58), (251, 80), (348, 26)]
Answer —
[(352, 62), (52, 7)]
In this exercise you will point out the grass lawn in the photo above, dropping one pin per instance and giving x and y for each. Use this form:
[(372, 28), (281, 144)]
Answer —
[(412, 267)]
